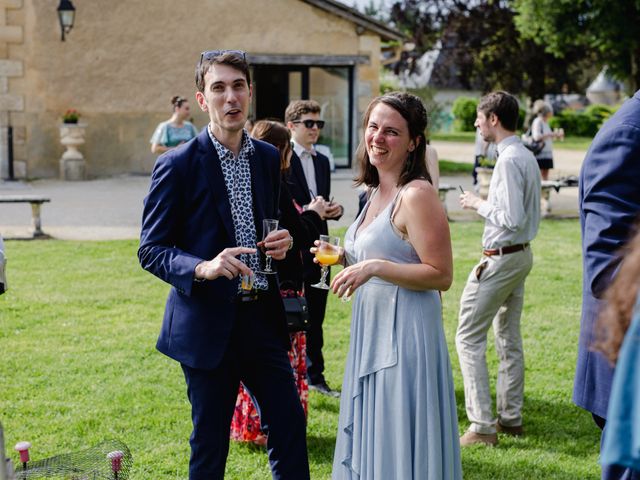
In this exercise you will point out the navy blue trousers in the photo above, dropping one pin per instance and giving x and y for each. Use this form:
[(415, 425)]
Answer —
[(257, 357)]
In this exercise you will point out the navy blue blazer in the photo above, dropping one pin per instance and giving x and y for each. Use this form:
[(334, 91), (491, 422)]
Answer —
[(187, 219), (609, 197)]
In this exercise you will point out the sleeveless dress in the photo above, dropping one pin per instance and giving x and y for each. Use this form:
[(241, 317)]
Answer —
[(398, 415)]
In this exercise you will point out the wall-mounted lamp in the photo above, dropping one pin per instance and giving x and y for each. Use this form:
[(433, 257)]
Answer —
[(67, 15)]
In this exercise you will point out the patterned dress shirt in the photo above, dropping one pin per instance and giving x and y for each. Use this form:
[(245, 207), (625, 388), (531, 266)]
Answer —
[(237, 178)]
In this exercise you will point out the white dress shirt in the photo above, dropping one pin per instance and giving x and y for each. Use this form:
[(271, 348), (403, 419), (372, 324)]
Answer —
[(306, 159), (512, 209)]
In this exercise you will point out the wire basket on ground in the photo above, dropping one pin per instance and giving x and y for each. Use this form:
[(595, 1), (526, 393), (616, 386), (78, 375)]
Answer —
[(109, 460)]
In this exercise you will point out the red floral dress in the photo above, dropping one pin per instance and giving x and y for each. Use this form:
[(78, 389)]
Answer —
[(245, 425)]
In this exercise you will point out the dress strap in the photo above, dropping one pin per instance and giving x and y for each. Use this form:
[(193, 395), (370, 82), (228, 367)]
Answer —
[(396, 200)]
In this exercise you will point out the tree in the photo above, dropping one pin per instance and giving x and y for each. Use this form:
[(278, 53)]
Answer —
[(484, 49), (602, 28)]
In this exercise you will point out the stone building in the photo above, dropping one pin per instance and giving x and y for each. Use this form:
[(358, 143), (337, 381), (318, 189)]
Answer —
[(124, 59)]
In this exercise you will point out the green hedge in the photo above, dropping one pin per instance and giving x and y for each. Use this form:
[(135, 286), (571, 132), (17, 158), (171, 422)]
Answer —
[(583, 124), (464, 113)]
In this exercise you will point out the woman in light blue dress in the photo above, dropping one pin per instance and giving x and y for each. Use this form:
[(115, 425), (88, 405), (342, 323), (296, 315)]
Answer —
[(619, 340), (175, 131), (397, 410)]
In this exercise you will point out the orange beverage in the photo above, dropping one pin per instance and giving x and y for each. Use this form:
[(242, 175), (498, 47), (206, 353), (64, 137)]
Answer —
[(247, 282), (327, 258)]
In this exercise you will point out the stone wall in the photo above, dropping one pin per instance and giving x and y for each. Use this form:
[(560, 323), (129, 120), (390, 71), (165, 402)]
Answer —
[(12, 103), (125, 59)]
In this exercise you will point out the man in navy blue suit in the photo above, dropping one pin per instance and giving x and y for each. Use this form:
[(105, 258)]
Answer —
[(201, 222), (309, 178), (609, 196)]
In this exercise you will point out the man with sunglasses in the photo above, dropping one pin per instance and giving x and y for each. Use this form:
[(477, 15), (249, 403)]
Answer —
[(309, 177), (201, 221)]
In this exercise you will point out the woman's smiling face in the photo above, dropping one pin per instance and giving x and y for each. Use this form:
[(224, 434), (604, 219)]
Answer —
[(387, 138)]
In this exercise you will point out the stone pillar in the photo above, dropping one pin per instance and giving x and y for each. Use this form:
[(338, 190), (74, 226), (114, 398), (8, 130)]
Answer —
[(72, 164), (484, 180), (10, 101)]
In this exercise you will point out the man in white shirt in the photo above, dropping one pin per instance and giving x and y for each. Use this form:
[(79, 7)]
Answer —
[(309, 177), (494, 292)]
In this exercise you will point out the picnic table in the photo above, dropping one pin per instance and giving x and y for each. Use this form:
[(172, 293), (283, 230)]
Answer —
[(548, 185)]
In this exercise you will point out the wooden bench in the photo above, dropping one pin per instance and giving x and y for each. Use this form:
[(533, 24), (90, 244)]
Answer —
[(36, 202)]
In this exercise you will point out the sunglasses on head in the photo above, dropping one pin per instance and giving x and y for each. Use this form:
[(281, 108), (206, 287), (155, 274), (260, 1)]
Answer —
[(311, 123), (210, 54)]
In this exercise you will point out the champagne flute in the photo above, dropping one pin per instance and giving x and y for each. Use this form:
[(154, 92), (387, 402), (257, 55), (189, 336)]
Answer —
[(328, 253), (268, 225)]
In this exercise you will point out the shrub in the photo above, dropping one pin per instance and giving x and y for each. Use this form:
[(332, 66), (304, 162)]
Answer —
[(599, 112), (522, 113), (464, 112), (434, 109), (582, 124)]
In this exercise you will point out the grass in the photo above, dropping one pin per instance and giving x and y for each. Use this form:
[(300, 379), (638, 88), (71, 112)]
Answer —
[(77, 335), (450, 167), (569, 143)]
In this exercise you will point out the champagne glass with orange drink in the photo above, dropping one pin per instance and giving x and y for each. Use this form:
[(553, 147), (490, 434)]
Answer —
[(327, 253)]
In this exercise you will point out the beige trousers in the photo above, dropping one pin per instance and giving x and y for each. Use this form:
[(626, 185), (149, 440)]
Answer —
[(494, 293)]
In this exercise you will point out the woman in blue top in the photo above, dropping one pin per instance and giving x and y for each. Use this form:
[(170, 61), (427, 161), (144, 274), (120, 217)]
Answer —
[(619, 341), (176, 130)]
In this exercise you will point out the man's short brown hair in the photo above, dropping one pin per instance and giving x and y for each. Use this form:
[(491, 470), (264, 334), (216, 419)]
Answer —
[(504, 106), (234, 58), (298, 108)]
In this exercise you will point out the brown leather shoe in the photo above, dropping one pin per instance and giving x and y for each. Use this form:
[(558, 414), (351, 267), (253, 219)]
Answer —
[(473, 438), (516, 431)]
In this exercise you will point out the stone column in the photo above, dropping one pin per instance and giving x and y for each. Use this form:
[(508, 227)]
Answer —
[(72, 164), (11, 66), (484, 180)]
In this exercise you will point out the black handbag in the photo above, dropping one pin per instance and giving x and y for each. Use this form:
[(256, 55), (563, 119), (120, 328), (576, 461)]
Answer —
[(295, 306)]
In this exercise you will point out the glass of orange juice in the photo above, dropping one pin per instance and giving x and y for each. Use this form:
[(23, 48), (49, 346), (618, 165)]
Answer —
[(328, 253)]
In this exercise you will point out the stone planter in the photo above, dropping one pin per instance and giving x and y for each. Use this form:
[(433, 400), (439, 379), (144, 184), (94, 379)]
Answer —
[(73, 166), (484, 180)]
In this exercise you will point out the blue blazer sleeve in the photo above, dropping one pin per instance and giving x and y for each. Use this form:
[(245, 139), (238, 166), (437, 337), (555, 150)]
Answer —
[(161, 223), (610, 199)]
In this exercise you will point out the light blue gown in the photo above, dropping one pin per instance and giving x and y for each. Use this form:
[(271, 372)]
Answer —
[(397, 410), (621, 442)]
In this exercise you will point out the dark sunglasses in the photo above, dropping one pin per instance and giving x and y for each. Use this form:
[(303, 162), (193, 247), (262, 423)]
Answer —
[(210, 54), (311, 123)]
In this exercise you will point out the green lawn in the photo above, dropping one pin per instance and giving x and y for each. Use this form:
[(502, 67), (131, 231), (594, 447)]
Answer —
[(569, 143), (450, 167), (77, 334)]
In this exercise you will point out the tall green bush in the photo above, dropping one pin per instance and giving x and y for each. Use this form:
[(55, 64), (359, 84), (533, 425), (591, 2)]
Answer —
[(582, 124), (464, 112), (434, 109)]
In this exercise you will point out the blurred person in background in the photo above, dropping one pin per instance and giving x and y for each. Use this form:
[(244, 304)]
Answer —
[(618, 331), (175, 131), (541, 132), (309, 178), (305, 227)]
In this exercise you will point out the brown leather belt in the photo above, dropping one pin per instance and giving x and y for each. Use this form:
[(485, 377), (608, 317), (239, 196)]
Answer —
[(505, 250)]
